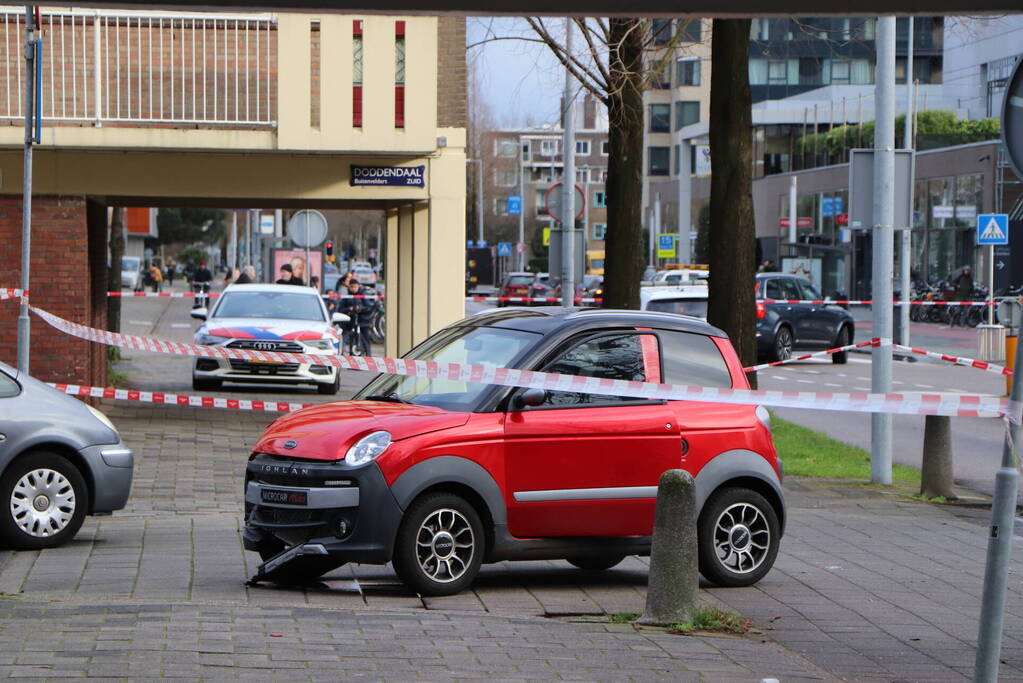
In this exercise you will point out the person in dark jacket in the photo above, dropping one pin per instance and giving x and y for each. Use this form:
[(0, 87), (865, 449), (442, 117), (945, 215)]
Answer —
[(285, 277), (964, 284), (361, 311), (248, 276), (202, 273)]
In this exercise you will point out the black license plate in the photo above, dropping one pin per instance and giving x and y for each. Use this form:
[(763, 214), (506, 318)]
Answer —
[(283, 497)]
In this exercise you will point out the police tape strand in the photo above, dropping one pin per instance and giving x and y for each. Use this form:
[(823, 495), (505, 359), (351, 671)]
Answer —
[(178, 399), (13, 293), (876, 341), (961, 405)]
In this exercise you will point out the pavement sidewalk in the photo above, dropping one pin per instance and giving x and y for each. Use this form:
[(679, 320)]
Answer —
[(868, 586)]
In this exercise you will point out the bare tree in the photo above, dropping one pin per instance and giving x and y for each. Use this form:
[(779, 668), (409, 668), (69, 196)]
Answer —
[(114, 271), (612, 67), (732, 302)]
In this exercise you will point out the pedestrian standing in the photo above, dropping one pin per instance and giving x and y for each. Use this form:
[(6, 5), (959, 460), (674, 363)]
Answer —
[(156, 276), (170, 274)]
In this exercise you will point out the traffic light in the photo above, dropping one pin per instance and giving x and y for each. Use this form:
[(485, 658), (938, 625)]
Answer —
[(330, 248)]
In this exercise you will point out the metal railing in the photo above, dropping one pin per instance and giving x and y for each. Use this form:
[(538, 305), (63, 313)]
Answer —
[(145, 68)]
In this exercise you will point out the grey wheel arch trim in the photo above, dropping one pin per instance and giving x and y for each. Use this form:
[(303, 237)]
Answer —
[(738, 464), (448, 469)]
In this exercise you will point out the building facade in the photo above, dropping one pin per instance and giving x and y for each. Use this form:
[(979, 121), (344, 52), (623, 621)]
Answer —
[(528, 163)]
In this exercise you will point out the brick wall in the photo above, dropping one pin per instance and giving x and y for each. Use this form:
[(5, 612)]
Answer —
[(452, 94), (62, 282)]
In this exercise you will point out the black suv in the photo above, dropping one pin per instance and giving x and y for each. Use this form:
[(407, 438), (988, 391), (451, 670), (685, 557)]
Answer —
[(784, 328)]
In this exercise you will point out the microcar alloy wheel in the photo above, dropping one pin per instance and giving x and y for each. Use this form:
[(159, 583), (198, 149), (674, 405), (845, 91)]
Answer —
[(738, 537), (45, 499), (440, 545)]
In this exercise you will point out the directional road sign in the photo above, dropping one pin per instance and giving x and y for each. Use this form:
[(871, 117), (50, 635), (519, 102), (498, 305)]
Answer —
[(992, 228)]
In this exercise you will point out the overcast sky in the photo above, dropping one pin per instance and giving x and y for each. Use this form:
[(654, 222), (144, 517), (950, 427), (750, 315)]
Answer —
[(520, 80)]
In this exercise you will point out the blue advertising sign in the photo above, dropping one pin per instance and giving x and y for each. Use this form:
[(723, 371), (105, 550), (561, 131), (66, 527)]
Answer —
[(504, 249), (992, 228), (831, 206), (514, 204), (400, 176)]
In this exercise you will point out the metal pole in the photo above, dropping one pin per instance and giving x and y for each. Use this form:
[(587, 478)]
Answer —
[(793, 208), (883, 238), (905, 253), (685, 192), (586, 207), (96, 73), (232, 242), (568, 184), (657, 218), (999, 544), (479, 200), (520, 248), (24, 328)]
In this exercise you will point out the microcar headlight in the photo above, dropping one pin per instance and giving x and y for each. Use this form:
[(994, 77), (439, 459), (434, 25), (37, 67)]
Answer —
[(325, 344), (208, 340), (102, 418), (368, 448)]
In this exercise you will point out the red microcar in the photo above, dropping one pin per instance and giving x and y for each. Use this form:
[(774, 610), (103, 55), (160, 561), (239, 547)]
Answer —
[(439, 476)]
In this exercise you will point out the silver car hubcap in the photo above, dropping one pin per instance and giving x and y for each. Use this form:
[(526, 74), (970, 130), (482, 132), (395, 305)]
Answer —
[(43, 503), (742, 538), (445, 545)]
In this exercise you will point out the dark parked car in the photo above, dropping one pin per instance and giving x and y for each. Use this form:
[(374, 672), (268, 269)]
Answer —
[(540, 287), (786, 327)]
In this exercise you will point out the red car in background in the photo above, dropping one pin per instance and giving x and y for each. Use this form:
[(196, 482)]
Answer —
[(515, 284), (441, 475)]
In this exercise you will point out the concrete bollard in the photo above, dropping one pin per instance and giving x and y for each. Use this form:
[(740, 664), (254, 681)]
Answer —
[(674, 563), (936, 475)]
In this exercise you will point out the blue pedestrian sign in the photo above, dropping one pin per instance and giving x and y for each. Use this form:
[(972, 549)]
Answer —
[(514, 204), (992, 228), (504, 249)]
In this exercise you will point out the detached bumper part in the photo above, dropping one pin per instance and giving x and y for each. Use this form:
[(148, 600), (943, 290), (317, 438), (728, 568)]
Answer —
[(264, 570)]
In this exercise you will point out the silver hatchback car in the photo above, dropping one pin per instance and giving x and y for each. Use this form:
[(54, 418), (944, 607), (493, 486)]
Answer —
[(60, 459)]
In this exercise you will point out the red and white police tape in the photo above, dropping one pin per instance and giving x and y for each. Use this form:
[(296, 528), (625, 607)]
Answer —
[(213, 295), (12, 293), (868, 302), (876, 341), (961, 405), (958, 360), (178, 399)]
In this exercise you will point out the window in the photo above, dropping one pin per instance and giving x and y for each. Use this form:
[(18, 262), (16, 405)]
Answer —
[(357, 73), (687, 72), (678, 159), (840, 71), (8, 387), (599, 230), (689, 30), (659, 160), (808, 291), (660, 30), (505, 148), (539, 196), (686, 113), (660, 75), (599, 200), (582, 148), (692, 359), (525, 150), (782, 288), (399, 74), (660, 118), (549, 148), (501, 206), (604, 148), (617, 356), (598, 175), (777, 72), (506, 178)]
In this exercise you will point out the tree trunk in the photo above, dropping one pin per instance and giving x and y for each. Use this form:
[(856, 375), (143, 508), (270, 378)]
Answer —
[(732, 303), (114, 271), (623, 246)]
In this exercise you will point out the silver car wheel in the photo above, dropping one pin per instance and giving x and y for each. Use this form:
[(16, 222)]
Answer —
[(445, 545), (43, 503), (742, 538)]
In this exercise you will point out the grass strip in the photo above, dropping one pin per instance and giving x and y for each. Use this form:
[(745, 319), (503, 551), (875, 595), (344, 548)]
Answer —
[(808, 453)]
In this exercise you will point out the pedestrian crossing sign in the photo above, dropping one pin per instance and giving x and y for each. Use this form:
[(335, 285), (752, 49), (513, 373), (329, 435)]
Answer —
[(992, 228)]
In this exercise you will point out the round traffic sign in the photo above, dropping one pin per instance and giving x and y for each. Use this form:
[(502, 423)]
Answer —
[(552, 200), (307, 228), (1012, 119)]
